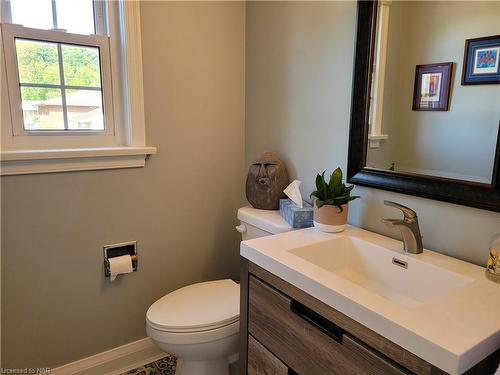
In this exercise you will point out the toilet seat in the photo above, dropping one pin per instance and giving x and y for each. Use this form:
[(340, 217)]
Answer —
[(197, 308), (191, 338)]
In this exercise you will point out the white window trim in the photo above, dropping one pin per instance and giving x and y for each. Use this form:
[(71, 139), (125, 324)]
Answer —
[(375, 135), (131, 150), (10, 32)]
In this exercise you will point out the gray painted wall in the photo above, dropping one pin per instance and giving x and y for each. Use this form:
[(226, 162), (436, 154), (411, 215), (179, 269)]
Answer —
[(56, 305), (298, 93)]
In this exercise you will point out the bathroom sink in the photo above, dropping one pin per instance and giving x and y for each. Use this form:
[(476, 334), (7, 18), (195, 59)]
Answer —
[(439, 308), (394, 276)]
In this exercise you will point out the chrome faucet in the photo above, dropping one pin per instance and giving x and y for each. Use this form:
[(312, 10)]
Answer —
[(412, 239)]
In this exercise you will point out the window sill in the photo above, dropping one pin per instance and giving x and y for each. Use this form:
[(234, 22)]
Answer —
[(375, 139), (18, 162)]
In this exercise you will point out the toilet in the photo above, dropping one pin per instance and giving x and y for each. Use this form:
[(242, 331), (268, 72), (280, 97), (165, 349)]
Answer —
[(199, 323)]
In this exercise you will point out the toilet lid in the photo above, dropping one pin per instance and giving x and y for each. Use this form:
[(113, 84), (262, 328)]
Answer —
[(197, 307)]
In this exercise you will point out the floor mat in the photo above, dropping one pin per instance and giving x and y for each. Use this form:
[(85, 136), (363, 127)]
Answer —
[(163, 366)]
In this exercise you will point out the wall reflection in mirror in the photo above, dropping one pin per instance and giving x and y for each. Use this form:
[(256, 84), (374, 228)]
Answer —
[(435, 99)]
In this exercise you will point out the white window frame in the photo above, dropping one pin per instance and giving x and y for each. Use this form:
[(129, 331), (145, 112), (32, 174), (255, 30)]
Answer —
[(122, 143), (375, 135), (12, 32)]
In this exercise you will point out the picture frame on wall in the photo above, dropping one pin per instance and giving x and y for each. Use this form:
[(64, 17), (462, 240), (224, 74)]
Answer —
[(432, 87), (481, 61)]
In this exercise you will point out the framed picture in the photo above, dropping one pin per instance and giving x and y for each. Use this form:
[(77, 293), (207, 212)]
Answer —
[(481, 61), (432, 87)]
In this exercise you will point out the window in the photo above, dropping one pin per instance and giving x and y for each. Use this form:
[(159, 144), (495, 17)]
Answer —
[(58, 81), (59, 58), (75, 16)]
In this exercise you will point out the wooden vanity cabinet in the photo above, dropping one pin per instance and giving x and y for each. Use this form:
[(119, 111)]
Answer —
[(285, 331)]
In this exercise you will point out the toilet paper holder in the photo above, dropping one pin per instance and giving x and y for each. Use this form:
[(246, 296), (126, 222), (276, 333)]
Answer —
[(119, 249)]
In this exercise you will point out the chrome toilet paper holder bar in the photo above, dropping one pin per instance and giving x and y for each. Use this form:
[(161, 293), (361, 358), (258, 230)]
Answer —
[(119, 249)]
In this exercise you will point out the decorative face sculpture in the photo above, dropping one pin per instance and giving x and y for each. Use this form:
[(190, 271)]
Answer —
[(266, 180)]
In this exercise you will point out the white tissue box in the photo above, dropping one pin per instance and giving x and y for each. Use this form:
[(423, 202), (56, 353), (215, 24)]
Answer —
[(294, 215)]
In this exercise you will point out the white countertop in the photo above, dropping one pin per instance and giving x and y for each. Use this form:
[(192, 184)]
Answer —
[(452, 332)]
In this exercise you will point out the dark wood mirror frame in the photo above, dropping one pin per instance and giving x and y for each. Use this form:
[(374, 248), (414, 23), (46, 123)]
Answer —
[(485, 196)]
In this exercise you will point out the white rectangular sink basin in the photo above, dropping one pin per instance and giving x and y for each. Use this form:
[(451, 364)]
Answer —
[(396, 277)]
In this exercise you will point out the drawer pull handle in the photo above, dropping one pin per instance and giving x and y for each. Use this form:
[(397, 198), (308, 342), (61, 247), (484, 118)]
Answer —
[(317, 321)]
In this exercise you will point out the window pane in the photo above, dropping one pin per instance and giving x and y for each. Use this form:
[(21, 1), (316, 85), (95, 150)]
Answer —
[(76, 16), (84, 109), (32, 13), (42, 108), (37, 62), (81, 66)]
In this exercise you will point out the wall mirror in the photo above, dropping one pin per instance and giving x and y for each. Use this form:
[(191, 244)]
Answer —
[(425, 114)]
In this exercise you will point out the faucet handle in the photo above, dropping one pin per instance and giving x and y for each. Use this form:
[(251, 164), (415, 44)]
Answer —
[(407, 211)]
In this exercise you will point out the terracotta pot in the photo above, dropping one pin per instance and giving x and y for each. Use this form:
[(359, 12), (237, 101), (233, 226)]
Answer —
[(329, 218)]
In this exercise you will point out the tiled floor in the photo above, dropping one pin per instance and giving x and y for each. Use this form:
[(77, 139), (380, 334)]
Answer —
[(163, 366), (166, 366)]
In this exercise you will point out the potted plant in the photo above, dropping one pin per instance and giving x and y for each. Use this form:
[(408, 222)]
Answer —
[(331, 203)]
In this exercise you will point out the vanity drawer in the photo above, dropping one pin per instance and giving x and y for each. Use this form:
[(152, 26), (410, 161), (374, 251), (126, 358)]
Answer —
[(307, 342), (262, 362)]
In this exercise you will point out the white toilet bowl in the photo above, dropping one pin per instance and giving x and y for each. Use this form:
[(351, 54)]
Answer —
[(200, 325), (205, 352)]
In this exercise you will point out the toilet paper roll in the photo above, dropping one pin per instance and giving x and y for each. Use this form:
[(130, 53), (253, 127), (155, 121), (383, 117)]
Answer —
[(119, 265)]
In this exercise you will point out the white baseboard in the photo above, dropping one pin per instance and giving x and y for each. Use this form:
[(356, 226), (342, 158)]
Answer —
[(114, 361)]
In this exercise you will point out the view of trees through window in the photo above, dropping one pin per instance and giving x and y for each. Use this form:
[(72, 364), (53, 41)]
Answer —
[(55, 96), (39, 63)]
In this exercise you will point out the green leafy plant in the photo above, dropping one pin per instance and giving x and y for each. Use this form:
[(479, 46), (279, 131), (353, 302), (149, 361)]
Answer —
[(333, 192)]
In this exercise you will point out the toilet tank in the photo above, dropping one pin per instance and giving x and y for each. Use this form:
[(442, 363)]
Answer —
[(256, 223)]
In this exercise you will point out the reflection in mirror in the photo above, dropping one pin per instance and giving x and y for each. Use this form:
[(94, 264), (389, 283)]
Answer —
[(418, 123)]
